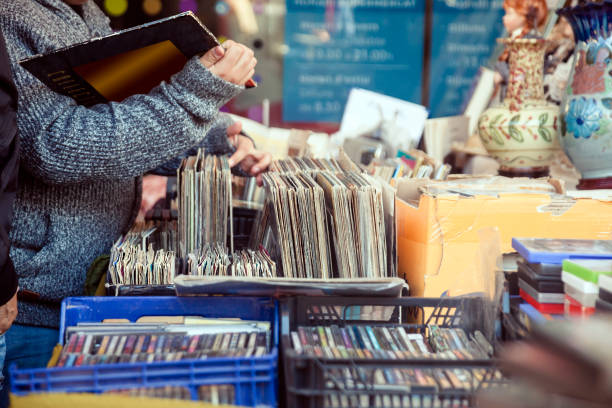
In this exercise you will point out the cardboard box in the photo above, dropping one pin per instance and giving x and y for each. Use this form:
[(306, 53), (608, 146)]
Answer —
[(441, 226)]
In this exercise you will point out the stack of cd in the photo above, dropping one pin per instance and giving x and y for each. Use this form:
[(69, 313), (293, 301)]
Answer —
[(541, 277), (540, 285), (581, 279), (358, 343), (389, 342), (196, 339)]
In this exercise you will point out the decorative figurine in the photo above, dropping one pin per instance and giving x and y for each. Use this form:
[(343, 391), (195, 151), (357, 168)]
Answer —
[(522, 18), (587, 109), (521, 133)]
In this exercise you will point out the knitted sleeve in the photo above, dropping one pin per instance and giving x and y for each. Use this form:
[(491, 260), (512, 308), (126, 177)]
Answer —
[(66, 143), (215, 142), (9, 166)]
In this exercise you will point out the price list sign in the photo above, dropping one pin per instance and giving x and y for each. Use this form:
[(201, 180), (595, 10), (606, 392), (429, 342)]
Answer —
[(336, 45), (464, 34)]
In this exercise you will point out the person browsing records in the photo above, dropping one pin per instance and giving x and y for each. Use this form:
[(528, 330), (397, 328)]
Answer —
[(80, 175)]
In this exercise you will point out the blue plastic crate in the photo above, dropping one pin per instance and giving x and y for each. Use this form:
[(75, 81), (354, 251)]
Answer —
[(254, 379)]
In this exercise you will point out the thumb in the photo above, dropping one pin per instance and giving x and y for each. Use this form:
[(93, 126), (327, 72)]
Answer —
[(241, 152), (212, 56), (234, 129)]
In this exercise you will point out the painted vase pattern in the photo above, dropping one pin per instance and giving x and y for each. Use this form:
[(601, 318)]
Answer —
[(522, 132), (586, 134)]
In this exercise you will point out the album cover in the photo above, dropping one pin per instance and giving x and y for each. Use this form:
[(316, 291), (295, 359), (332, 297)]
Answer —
[(128, 62)]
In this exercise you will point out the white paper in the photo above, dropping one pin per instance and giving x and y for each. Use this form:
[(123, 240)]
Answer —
[(401, 122), (269, 139), (441, 133)]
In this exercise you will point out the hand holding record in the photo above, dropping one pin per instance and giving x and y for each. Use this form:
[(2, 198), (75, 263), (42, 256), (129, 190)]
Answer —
[(232, 62), (251, 160)]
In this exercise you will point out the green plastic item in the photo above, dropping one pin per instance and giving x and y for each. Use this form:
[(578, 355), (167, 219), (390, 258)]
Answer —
[(588, 269)]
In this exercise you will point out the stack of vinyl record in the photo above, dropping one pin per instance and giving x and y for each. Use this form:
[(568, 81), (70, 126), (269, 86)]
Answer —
[(604, 301), (541, 277), (581, 279)]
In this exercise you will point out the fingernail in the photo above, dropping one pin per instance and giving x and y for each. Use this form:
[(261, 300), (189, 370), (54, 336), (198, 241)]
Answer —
[(255, 169), (231, 162), (219, 51)]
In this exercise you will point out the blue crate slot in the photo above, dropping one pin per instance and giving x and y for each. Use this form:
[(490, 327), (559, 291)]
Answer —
[(95, 309), (254, 379)]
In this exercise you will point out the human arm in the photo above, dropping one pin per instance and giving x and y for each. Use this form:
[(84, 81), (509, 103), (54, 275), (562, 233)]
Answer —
[(225, 137), (247, 158), (67, 143)]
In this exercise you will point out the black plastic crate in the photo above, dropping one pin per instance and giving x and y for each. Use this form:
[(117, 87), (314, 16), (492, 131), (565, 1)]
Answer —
[(323, 382)]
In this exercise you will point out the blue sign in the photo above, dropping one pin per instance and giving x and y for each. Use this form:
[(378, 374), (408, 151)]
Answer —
[(463, 39), (336, 45)]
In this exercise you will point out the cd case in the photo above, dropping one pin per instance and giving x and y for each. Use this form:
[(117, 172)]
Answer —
[(540, 284), (605, 282), (547, 308), (585, 299), (602, 305), (581, 285), (555, 251), (605, 295), (588, 270), (540, 297), (543, 270)]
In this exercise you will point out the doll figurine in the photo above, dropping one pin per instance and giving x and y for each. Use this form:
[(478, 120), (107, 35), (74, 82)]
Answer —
[(523, 19), (521, 132)]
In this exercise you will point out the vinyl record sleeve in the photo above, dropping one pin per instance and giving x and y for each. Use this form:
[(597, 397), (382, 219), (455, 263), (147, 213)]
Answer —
[(128, 62)]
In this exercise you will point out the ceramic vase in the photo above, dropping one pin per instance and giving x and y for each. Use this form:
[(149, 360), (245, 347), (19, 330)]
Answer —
[(521, 133), (586, 134)]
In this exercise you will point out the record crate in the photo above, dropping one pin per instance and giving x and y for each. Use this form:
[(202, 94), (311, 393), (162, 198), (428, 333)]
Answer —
[(254, 379), (243, 220), (311, 381)]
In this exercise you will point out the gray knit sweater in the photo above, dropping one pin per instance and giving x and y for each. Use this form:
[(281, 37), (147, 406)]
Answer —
[(79, 186)]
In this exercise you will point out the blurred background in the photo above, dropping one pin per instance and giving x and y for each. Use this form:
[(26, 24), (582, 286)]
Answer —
[(312, 52)]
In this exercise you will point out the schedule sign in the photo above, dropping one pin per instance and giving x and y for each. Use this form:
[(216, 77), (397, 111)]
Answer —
[(464, 34), (336, 45)]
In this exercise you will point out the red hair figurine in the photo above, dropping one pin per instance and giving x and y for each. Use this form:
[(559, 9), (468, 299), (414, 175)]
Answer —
[(523, 19)]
